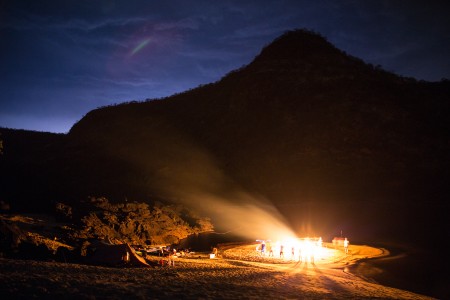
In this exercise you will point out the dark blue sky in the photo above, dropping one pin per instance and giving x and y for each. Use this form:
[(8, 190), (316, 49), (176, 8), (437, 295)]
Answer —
[(60, 59)]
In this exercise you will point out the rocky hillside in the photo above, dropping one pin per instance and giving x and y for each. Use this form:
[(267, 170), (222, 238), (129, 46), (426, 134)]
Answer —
[(39, 236), (320, 134)]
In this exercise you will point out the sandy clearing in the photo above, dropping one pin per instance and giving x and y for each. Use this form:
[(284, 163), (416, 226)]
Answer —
[(195, 278)]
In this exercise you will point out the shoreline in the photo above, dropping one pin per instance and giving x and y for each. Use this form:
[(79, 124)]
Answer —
[(407, 269), (349, 264), (333, 257)]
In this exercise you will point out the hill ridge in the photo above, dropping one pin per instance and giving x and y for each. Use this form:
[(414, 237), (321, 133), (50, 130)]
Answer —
[(310, 133)]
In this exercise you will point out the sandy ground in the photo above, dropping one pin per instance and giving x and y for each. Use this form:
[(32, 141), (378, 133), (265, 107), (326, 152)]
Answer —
[(199, 277)]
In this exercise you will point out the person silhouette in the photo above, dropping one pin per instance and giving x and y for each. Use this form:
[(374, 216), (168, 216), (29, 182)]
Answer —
[(346, 242)]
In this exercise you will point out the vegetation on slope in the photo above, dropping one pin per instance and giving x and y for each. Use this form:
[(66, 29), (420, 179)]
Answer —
[(304, 125), (40, 236)]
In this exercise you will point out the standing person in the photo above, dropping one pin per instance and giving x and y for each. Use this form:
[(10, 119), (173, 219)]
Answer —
[(263, 248), (319, 242), (270, 249), (281, 251), (346, 242), (171, 260), (293, 253), (312, 254)]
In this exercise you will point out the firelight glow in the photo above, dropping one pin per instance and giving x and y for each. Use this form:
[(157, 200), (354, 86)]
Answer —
[(296, 249)]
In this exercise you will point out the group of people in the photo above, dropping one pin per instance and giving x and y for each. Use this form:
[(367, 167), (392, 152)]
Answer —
[(171, 254), (170, 258), (304, 249)]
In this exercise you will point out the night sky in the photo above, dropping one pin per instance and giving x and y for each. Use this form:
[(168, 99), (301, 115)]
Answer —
[(60, 59)]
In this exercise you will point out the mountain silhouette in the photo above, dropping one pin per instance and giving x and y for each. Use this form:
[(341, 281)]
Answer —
[(325, 137)]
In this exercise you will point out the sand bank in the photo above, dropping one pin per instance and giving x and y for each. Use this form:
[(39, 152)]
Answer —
[(198, 278)]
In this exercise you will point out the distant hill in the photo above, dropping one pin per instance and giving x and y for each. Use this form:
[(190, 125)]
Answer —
[(331, 141), (28, 165)]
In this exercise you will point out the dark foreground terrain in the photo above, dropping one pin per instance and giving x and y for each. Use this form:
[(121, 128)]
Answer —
[(197, 277)]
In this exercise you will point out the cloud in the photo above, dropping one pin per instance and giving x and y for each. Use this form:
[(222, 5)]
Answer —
[(92, 25), (185, 23), (31, 21)]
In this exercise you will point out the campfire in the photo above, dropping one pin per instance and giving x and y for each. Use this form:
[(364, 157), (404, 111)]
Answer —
[(295, 248)]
